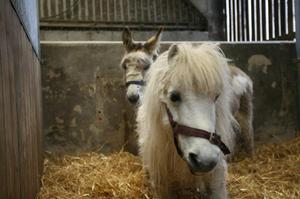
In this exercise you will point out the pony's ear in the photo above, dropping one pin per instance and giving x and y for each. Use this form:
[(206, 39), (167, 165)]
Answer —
[(153, 43), (173, 50), (127, 39)]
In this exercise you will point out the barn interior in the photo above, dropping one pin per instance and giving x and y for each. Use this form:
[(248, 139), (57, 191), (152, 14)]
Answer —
[(67, 129)]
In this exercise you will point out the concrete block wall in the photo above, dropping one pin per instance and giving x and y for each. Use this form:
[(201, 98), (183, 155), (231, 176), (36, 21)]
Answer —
[(84, 93)]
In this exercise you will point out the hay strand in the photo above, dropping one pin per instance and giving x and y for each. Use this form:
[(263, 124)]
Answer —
[(92, 175), (274, 172)]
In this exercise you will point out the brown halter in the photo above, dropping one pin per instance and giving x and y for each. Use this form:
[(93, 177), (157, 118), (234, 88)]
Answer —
[(214, 138)]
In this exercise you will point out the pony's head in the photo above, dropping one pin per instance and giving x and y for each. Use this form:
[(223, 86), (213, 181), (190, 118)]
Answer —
[(192, 84), (136, 61)]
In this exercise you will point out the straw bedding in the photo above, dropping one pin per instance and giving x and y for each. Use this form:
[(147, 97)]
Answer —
[(274, 172)]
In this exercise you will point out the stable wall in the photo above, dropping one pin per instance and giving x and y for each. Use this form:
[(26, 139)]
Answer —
[(84, 93)]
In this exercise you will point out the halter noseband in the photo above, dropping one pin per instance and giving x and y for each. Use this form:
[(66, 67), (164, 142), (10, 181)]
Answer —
[(214, 138), (136, 82)]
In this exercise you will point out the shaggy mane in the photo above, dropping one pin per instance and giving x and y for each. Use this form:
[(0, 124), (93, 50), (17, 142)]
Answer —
[(200, 68)]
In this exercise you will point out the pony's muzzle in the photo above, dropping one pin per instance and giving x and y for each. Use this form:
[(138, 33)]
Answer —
[(133, 93), (197, 164), (133, 99)]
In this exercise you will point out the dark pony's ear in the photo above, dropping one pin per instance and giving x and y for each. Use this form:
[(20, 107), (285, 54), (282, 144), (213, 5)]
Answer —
[(153, 43), (173, 51), (127, 39)]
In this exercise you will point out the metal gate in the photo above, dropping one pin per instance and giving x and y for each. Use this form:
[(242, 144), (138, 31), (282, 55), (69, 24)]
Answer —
[(142, 14), (260, 20)]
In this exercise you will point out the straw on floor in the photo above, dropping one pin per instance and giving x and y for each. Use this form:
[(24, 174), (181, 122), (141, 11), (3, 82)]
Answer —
[(274, 172)]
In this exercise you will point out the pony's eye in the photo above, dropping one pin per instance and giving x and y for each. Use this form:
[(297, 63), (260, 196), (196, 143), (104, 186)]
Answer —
[(147, 66), (217, 97), (124, 66), (175, 96)]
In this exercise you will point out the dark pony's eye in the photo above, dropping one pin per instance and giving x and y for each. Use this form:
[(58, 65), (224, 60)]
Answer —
[(175, 97), (124, 65), (217, 97)]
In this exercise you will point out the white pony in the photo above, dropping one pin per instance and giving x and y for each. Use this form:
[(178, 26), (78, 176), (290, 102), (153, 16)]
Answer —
[(188, 91)]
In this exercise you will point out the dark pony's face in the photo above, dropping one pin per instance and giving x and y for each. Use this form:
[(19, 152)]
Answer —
[(136, 61)]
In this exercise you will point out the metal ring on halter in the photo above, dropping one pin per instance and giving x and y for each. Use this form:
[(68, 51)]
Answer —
[(211, 136)]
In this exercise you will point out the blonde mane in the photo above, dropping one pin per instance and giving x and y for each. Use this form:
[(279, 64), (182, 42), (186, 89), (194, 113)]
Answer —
[(201, 68)]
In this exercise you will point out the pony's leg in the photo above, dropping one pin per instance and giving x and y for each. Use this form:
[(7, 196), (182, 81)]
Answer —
[(244, 116), (216, 182)]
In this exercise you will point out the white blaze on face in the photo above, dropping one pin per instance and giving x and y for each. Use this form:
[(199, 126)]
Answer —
[(133, 74)]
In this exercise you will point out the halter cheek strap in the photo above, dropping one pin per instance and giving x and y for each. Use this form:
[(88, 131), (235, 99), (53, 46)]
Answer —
[(214, 138)]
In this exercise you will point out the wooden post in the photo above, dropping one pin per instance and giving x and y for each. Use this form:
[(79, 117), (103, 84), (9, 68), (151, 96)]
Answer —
[(297, 8), (297, 15), (216, 20)]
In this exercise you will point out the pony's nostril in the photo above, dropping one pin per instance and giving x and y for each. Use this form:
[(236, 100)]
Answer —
[(133, 99), (198, 165), (193, 159)]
